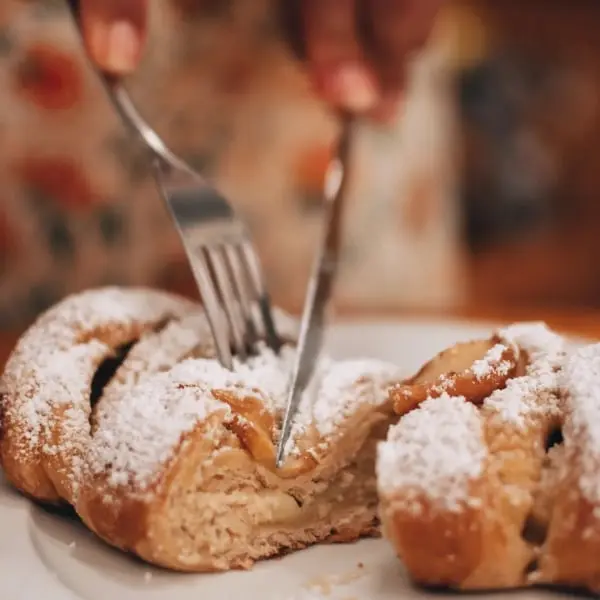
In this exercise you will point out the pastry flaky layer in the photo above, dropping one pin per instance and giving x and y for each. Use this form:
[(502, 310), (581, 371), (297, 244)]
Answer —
[(112, 403), (493, 481), (484, 467)]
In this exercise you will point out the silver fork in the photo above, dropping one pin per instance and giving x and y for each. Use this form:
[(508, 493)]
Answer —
[(217, 243)]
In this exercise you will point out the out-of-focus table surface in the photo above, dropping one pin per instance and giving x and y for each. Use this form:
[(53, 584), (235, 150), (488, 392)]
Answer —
[(577, 322)]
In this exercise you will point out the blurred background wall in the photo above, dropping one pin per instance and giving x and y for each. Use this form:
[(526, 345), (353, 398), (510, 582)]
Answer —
[(484, 192), (528, 88)]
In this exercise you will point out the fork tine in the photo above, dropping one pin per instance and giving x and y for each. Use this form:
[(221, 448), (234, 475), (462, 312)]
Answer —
[(252, 264), (251, 291), (245, 296), (212, 307), (230, 303), (195, 206)]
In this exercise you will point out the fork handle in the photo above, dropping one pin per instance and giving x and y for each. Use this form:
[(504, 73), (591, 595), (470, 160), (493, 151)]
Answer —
[(127, 110)]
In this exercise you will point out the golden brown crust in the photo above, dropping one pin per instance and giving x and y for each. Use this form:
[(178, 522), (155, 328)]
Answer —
[(458, 545), (462, 549), (176, 461), (47, 383), (467, 511), (124, 519), (255, 428), (570, 553), (469, 494), (472, 369), (210, 457)]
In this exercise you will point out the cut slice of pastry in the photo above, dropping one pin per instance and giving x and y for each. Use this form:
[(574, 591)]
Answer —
[(181, 470), (175, 460), (460, 484)]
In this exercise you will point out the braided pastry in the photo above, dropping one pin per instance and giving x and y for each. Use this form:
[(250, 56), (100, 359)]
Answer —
[(113, 403), (498, 486), (47, 381)]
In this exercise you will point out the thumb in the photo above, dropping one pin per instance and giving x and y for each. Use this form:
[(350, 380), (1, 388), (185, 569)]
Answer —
[(114, 32)]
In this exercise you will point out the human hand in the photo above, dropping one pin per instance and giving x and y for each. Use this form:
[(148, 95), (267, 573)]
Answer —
[(357, 50), (114, 32)]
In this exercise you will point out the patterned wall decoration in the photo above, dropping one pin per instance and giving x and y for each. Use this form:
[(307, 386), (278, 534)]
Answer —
[(79, 209)]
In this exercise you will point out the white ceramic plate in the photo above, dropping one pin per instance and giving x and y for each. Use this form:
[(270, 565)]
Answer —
[(52, 557)]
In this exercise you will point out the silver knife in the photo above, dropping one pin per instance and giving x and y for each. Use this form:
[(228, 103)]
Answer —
[(320, 287)]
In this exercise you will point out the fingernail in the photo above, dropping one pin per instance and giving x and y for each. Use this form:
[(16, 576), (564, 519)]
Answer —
[(122, 48), (354, 89)]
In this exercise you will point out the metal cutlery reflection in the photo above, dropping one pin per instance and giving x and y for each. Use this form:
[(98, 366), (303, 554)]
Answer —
[(217, 243), (320, 285)]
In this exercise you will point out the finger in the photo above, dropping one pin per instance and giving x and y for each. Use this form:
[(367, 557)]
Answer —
[(335, 56), (115, 32), (397, 29), (387, 109)]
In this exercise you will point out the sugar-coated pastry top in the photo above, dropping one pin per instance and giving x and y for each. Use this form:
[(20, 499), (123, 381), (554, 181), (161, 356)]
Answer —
[(137, 434), (167, 383), (438, 449)]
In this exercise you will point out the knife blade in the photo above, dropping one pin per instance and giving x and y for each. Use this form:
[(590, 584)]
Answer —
[(312, 324)]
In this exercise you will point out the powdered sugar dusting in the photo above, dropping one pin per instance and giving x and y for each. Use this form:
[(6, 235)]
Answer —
[(433, 452), (51, 389), (54, 357), (140, 430), (492, 363), (535, 392), (346, 385), (189, 337), (338, 388), (158, 352), (580, 382), (155, 399), (533, 337)]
